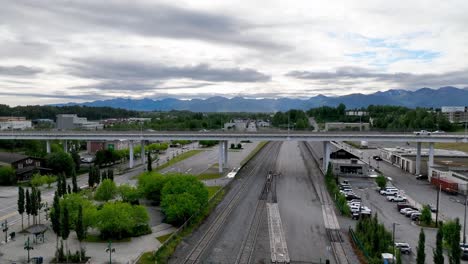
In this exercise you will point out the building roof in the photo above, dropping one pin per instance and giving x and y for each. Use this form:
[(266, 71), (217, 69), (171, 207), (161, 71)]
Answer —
[(9, 157)]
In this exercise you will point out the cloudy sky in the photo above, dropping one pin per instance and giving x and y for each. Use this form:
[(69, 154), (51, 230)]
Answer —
[(70, 50)]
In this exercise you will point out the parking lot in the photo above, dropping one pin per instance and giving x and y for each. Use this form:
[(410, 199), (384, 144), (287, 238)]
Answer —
[(405, 229)]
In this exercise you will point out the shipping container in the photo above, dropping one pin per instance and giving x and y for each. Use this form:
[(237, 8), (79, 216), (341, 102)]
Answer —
[(445, 184)]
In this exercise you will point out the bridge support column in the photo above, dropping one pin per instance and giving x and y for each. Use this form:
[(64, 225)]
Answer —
[(418, 158), (47, 146), (143, 154), (225, 146), (220, 157), (88, 147), (431, 156), (130, 158), (326, 155), (65, 146)]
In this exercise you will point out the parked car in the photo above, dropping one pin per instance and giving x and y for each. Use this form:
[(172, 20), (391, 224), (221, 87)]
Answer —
[(433, 208), (407, 209), (404, 247), (390, 192), (352, 197), (422, 132), (408, 213), (415, 216), (377, 157), (421, 177), (438, 132), (464, 249), (404, 205), (396, 198)]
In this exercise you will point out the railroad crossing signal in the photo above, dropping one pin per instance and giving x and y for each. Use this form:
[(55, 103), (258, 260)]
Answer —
[(28, 247), (5, 230), (110, 250)]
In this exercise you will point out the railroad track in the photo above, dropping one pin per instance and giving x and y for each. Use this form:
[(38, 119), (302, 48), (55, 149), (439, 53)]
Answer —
[(330, 220), (196, 253)]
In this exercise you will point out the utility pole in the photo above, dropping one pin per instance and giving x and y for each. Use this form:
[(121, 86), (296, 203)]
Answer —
[(5, 230), (393, 237), (110, 250)]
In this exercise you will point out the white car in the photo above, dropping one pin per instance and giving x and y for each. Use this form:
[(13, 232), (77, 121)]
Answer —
[(404, 247), (391, 192), (366, 210), (396, 198), (407, 209), (422, 132)]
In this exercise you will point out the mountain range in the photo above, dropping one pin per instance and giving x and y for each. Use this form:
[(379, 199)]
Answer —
[(424, 97)]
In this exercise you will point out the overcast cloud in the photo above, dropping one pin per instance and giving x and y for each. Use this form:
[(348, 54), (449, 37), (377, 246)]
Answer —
[(58, 51)]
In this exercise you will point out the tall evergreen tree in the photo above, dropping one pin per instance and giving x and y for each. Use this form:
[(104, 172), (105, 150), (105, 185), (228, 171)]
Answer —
[(65, 228), (39, 204), (455, 250), (21, 206), (438, 252), (103, 176), (79, 227), (91, 177), (97, 176), (150, 166), (55, 219), (63, 184), (33, 201), (69, 189), (74, 183), (110, 174), (59, 185), (28, 205), (421, 255)]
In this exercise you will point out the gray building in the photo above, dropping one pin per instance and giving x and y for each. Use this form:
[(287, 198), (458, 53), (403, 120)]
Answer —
[(72, 121), (346, 164)]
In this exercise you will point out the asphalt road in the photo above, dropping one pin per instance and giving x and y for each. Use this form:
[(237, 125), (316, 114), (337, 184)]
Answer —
[(300, 208)]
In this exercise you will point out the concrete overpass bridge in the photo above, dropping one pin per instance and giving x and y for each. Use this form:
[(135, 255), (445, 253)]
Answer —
[(224, 137)]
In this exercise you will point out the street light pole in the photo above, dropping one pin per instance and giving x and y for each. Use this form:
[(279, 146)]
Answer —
[(393, 236), (110, 250), (437, 205), (5, 230)]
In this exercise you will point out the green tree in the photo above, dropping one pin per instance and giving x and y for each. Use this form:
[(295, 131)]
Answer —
[(110, 174), (97, 175), (398, 257), (63, 184), (455, 250), (426, 215), (74, 183), (65, 228), (21, 203), (55, 218), (438, 252), (49, 179), (91, 177), (118, 220), (28, 205), (106, 191), (76, 159), (7, 175), (150, 165), (60, 162), (73, 202), (33, 203), (421, 255), (182, 196), (381, 181), (150, 185), (79, 227)]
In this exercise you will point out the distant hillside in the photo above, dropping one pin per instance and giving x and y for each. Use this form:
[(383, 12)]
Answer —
[(424, 97)]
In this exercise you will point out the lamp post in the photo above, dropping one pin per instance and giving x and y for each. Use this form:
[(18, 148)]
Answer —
[(28, 247), (438, 197), (110, 250), (5, 230), (464, 222)]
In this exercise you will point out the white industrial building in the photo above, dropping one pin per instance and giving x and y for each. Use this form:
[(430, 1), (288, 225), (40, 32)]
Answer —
[(14, 123), (455, 114)]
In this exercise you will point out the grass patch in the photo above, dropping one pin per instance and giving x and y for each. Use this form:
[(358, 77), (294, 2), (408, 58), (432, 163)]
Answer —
[(163, 239), (212, 190), (209, 176), (255, 151), (97, 239), (147, 258), (181, 157), (452, 146), (353, 144), (163, 254)]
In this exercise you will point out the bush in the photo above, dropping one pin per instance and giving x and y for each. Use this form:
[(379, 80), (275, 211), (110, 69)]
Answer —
[(330, 182), (181, 197), (7, 175), (426, 215), (129, 194), (119, 220), (374, 237), (106, 191), (208, 143), (73, 202), (150, 186), (381, 181)]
